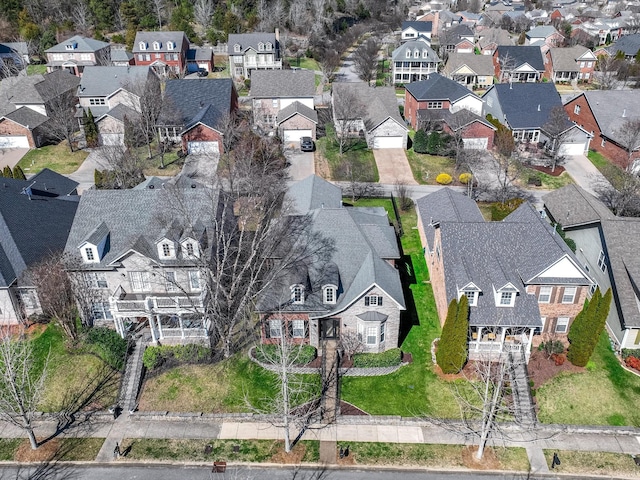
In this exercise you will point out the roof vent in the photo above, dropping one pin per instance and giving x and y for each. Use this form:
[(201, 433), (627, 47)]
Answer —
[(624, 113), (538, 107), (151, 187)]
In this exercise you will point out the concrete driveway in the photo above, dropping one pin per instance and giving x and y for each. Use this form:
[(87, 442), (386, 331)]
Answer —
[(584, 173), (84, 175), (11, 156), (301, 164), (393, 166)]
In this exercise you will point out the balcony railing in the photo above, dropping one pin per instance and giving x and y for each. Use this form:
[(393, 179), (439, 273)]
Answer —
[(158, 304), (273, 64)]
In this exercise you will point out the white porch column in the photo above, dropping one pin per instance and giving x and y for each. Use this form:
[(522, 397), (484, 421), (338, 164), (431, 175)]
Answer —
[(502, 338), (152, 327), (160, 334), (478, 339), (529, 340), (181, 326), (116, 322)]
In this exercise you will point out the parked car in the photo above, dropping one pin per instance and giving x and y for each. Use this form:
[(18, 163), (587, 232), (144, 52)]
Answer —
[(306, 144), (203, 72)]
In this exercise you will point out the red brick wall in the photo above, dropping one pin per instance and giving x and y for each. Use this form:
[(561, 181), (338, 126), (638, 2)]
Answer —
[(7, 127), (479, 130), (436, 273), (411, 107), (201, 133), (555, 308)]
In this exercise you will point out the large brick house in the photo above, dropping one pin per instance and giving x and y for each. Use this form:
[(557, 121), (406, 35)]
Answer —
[(357, 289), (604, 113), (522, 281), (164, 51), (76, 53), (570, 64)]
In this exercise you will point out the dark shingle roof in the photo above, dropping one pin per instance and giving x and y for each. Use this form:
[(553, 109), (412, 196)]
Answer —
[(161, 37), (424, 27), (312, 193), (527, 105), (120, 111), (400, 53), (438, 87), (297, 107), (27, 117), (628, 44), (612, 108), (571, 206), (52, 182), (84, 44), (282, 83), (250, 40), (380, 103), (520, 55)]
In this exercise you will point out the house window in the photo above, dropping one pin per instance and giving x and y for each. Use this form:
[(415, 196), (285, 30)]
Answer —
[(545, 294), (189, 248), (97, 101), (581, 64), (95, 279), (562, 325), (372, 335), (166, 250), (569, 294), (506, 298), (28, 299), (297, 328), (274, 103), (194, 279), (434, 105), (592, 288), (408, 54), (171, 45), (373, 301), (576, 109), (89, 254), (101, 311), (603, 142), (472, 296), (156, 46), (142, 46), (382, 332), (140, 57), (425, 54), (601, 262), (275, 328), (139, 281), (329, 295), (297, 294), (147, 57), (236, 48), (588, 66), (268, 46), (170, 282), (58, 56), (261, 47), (85, 56), (587, 75)]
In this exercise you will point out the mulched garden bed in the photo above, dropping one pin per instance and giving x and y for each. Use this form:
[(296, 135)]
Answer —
[(556, 173), (541, 368)]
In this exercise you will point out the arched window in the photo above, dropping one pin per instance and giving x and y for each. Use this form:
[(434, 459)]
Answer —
[(297, 294)]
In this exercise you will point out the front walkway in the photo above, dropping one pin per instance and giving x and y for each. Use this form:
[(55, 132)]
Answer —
[(393, 166)]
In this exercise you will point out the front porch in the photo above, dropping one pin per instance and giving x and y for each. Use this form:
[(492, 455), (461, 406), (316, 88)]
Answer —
[(491, 342)]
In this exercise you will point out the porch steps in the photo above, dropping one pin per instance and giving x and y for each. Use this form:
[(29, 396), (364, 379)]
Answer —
[(330, 401), (524, 410), (130, 388)]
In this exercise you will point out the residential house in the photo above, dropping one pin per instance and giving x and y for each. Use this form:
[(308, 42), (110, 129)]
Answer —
[(11, 62), (416, 30), (166, 52), (607, 247), (253, 51), (490, 38), (35, 219), (459, 38), (570, 64), (629, 45), (76, 53), (20, 48), (436, 94), (413, 61), (545, 37), (26, 101), (379, 121), (275, 90), (470, 70), (470, 18), (476, 132), (141, 257), (522, 281), (194, 111), (525, 108), (604, 113), (356, 290), (200, 58), (121, 58), (538, 16), (518, 63)]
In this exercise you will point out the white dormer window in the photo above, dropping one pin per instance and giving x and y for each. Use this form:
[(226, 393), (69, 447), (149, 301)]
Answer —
[(142, 45), (166, 249), (329, 294), (408, 54), (506, 299), (190, 249), (472, 296), (261, 47), (236, 48), (171, 45), (71, 46), (90, 254), (297, 294), (156, 45), (416, 54), (268, 47), (424, 54)]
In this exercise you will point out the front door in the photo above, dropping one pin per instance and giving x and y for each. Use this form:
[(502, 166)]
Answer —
[(330, 328)]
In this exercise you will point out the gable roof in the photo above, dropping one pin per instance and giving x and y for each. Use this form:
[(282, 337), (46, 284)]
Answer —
[(83, 44), (297, 108), (30, 230), (26, 117), (161, 37), (628, 44), (119, 112), (542, 31), (491, 35), (479, 64), (421, 27), (380, 103), (119, 54), (571, 206), (521, 54), (609, 106), (526, 105), (438, 87), (312, 193), (564, 59), (100, 81), (52, 182), (200, 53), (420, 46), (282, 83), (250, 40), (38, 89)]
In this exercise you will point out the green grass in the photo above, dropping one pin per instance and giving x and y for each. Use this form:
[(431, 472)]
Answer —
[(358, 155), (594, 463), (304, 62), (55, 157), (414, 389), (429, 455), (549, 182), (610, 171), (8, 447), (604, 394), (36, 69), (253, 451), (426, 167), (79, 449), (172, 163)]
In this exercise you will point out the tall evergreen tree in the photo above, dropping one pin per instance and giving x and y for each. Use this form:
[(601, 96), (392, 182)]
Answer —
[(459, 342), (90, 129), (6, 172), (586, 328), (445, 355), (18, 173)]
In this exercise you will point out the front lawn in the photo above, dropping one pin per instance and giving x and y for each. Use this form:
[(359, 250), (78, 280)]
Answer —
[(33, 69), (414, 389), (304, 62), (608, 169), (54, 157), (607, 464), (427, 167), (357, 162), (549, 182), (604, 394)]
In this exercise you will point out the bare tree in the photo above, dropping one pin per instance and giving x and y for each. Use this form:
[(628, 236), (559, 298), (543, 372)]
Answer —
[(145, 97), (60, 110), (202, 12), (556, 128), (81, 16), (158, 5), (21, 383), (350, 343), (125, 168), (365, 60), (623, 196), (629, 138), (506, 64), (360, 179), (347, 113), (401, 191), (330, 61), (607, 71), (296, 398)]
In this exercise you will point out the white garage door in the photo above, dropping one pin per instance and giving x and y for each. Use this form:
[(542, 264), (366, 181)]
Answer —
[(198, 148), (295, 135), (14, 141), (476, 143), (571, 149), (388, 142), (112, 139)]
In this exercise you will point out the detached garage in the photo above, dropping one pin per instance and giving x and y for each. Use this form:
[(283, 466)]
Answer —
[(296, 121)]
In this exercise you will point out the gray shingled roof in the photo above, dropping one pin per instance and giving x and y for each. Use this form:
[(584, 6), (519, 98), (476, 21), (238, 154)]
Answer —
[(30, 230), (400, 53), (312, 193), (52, 182), (297, 107), (282, 83), (162, 38), (527, 105), (135, 218), (542, 31), (119, 112), (84, 44), (520, 54), (608, 107), (438, 87), (199, 53), (479, 64), (26, 117), (571, 206), (380, 103), (564, 59), (423, 27), (120, 55), (628, 44), (104, 81), (250, 40)]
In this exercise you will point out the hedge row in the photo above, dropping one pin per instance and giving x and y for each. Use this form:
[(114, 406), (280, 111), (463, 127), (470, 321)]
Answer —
[(266, 353), (155, 357), (108, 345), (390, 358)]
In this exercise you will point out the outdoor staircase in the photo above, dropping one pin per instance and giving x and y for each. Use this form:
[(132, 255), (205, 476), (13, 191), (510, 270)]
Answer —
[(330, 401), (524, 410), (128, 397)]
